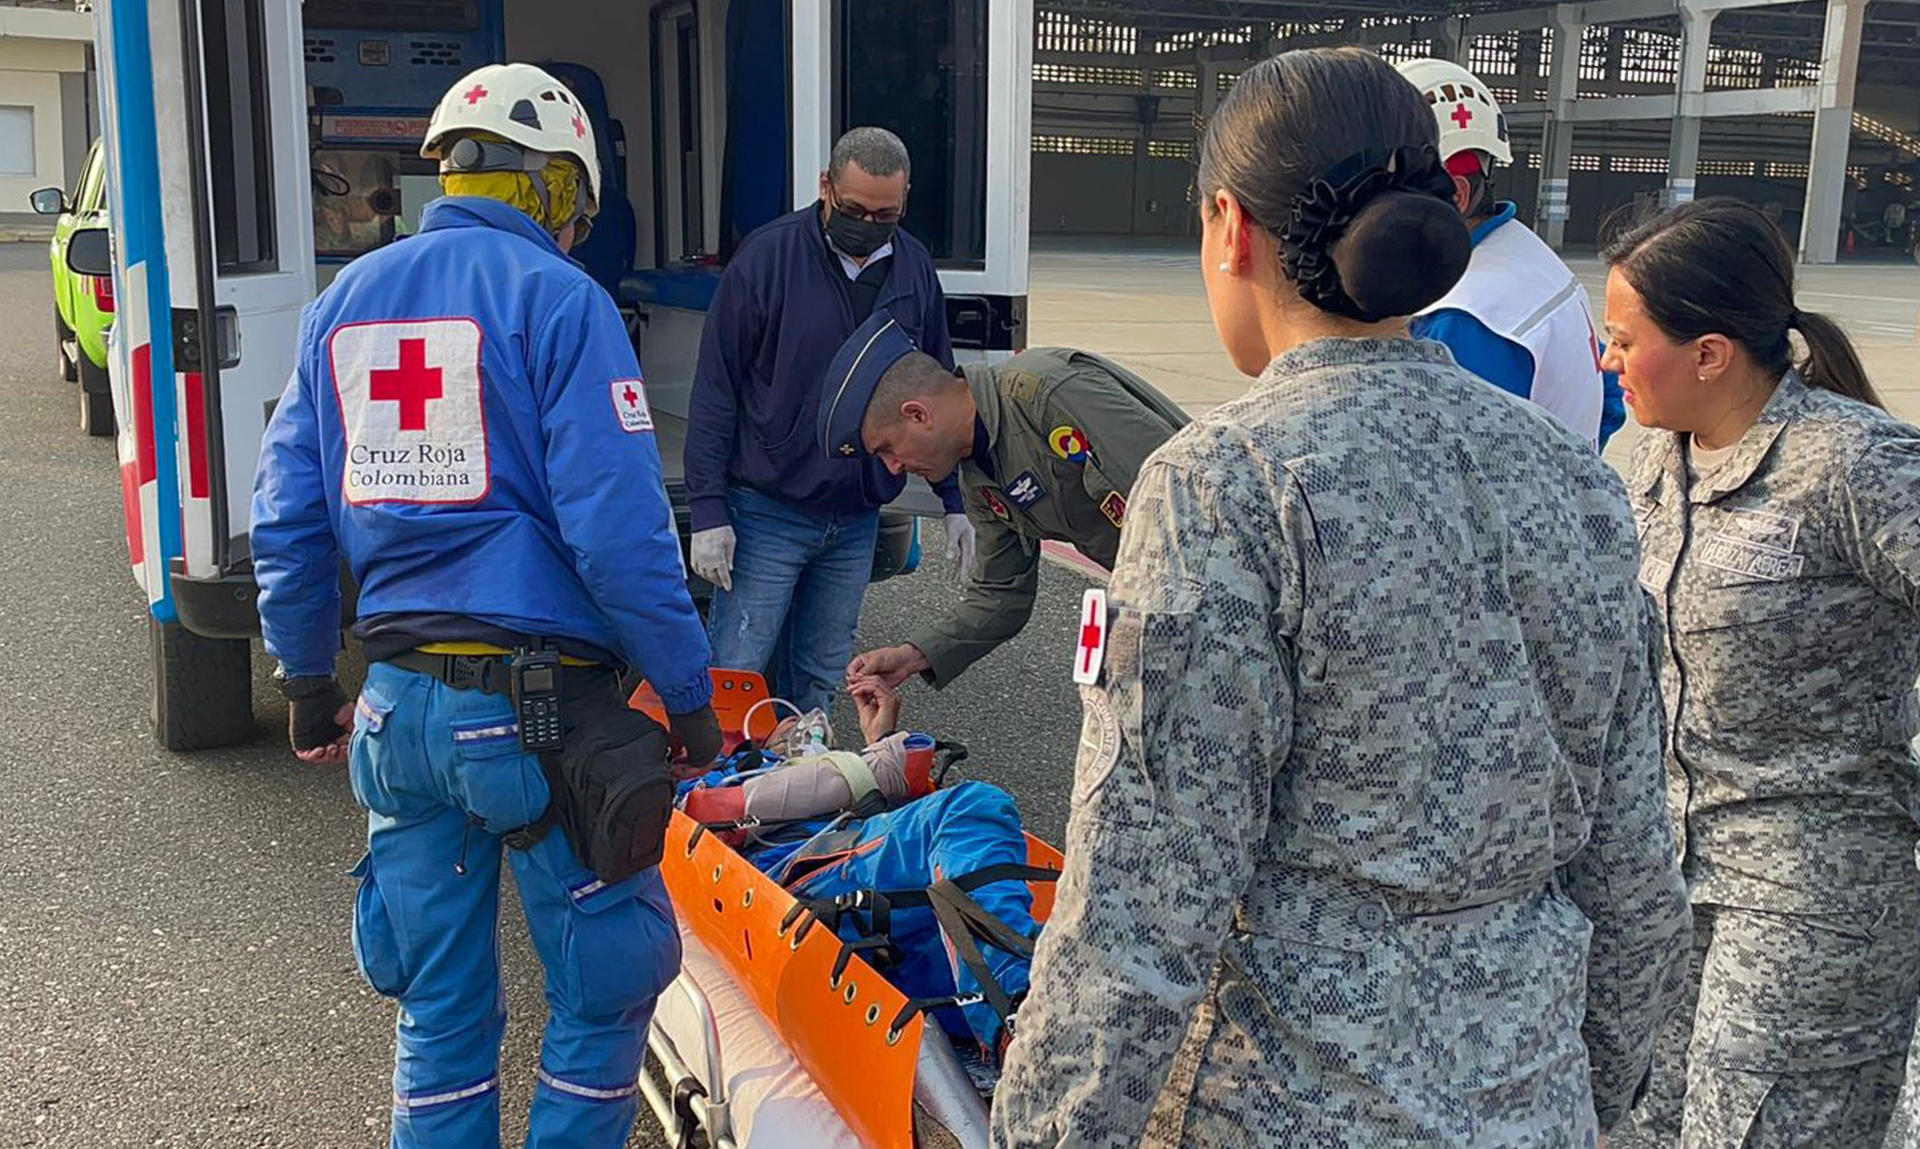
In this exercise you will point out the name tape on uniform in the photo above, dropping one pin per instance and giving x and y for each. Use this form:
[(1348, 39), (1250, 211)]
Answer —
[(1742, 557), (413, 411), (1092, 649)]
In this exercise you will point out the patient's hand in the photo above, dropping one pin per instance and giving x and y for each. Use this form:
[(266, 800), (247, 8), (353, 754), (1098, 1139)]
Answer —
[(878, 705)]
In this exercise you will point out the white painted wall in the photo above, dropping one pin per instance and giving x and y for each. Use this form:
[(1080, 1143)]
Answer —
[(36, 47), (40, 93)]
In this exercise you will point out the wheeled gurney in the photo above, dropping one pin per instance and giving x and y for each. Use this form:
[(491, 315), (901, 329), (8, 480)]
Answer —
[(777, 1034)]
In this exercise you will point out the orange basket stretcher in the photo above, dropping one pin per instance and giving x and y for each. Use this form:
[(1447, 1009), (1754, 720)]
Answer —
[(757, 1044)]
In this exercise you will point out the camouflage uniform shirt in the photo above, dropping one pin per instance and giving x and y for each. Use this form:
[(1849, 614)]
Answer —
[(1369, 845), (1788, 580)]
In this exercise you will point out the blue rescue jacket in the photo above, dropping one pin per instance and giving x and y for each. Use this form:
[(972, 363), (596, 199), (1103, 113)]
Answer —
[(780, 314), (467, 425), (1498, 360)]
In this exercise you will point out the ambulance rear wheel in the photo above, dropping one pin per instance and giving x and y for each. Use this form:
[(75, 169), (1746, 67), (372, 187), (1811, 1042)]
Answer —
[(202, 688)]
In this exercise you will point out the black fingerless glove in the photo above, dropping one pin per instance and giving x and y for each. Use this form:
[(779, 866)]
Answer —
[(698, 732), (313, 711)]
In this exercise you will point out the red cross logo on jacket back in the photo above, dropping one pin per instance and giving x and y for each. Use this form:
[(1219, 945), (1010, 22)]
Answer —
[(412, 385)]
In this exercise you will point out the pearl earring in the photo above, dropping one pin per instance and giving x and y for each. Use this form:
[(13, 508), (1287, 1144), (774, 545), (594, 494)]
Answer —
[(1223, 265)]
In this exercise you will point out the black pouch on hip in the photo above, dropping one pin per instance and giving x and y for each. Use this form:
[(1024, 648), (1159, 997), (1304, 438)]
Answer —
[(612, 788)]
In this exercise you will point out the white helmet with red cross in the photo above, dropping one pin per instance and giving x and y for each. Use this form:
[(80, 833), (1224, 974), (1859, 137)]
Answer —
[(1468, 117), (521, 104)]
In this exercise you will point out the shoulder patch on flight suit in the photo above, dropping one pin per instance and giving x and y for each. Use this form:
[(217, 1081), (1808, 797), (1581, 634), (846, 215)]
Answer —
[(1069, 442), (1021, 386), (1114, 506), (1026, 490), (994, 504)]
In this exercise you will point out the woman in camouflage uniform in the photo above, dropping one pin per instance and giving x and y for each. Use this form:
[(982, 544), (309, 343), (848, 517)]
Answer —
[(1369, 846), (1779, 521)]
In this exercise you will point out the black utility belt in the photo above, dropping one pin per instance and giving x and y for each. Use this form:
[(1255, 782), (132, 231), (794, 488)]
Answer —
[(606, 765), (487, 673)]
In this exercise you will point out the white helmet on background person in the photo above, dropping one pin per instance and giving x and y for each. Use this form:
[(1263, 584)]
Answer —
[(1468, 117), (521, 104)]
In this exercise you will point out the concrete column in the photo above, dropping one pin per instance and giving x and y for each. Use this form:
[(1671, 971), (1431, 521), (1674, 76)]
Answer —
[(1449, 37), (1832, 131), (1556, 159), (1683, 147), (1206, 74)]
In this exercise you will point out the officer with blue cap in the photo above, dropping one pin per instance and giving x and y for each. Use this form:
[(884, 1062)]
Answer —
[(1046, 445)]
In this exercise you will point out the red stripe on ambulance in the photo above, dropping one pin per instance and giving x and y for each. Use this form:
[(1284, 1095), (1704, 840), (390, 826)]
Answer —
[(196, 429), (143, 453)]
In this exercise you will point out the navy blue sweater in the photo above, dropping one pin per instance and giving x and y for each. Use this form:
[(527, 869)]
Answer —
[(781, 311)]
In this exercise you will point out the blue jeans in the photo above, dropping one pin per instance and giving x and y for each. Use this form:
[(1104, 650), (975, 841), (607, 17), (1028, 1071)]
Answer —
[(798, 581), (442, 776)]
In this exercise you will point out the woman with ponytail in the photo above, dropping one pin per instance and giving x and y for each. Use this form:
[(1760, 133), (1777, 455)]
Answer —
[(1369, 843), (1779, 519)]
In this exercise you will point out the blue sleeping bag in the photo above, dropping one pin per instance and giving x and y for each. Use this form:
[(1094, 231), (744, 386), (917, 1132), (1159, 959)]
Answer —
[(949, 834)]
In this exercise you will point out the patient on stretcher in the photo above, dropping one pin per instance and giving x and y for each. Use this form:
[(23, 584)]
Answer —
[(927, 883)]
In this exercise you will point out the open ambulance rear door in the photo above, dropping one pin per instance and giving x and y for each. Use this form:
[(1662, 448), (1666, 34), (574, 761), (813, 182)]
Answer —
[(204, 117)]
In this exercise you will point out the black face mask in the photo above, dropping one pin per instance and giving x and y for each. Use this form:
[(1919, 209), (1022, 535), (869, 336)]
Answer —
[(858, 238)]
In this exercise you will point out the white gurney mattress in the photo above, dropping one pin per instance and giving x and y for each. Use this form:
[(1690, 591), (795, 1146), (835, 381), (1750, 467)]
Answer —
[(775, 1105)]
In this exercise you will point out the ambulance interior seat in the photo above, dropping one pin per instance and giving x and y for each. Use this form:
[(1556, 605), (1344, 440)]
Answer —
[(609, 249)]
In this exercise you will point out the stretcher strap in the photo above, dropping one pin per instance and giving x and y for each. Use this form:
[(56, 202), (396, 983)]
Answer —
[(916, 1006), (966, 924), (684, 1091)]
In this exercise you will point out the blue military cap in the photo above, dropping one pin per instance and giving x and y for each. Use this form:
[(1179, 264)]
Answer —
[(851, 377)]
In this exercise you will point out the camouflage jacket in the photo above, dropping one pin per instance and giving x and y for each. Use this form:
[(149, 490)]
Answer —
[(1368, 843), (1788, 583)]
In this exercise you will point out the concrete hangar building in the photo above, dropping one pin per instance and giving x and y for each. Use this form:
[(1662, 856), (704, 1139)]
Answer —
[(1811, 109)]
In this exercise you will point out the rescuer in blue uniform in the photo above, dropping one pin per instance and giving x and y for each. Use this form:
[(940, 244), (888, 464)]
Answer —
[(468, 428)]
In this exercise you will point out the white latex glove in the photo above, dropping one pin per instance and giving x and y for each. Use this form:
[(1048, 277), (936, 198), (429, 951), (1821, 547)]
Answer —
[(963, 544), (713, 556)]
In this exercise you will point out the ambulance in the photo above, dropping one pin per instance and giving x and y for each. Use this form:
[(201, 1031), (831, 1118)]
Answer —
[(256, 146)]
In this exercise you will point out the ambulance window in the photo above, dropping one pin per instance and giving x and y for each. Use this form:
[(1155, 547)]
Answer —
[(365, 198), (238, 144), (920, 70)]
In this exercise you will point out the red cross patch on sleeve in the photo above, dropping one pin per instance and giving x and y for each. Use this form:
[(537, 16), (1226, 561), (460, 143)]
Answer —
[(1092, 648), (630, 406)]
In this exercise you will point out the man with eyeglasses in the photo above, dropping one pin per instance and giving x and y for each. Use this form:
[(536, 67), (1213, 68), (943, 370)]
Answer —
[(786, 536)]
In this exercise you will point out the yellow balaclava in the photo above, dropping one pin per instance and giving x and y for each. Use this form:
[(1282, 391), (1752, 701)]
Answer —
[(515, 189)]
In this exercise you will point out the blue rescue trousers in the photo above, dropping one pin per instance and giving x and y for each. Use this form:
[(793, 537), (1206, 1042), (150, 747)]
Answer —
[(443, 777)]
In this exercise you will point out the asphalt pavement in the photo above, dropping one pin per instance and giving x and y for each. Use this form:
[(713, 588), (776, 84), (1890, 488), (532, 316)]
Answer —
[(174, 959), (175, 968)]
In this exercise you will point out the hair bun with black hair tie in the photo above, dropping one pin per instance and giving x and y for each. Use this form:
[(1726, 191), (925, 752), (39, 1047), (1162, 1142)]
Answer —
[(1404, 243)]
